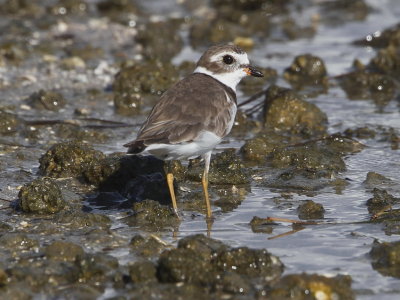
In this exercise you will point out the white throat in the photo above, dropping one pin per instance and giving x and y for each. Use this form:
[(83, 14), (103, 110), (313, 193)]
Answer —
[(230, 79)]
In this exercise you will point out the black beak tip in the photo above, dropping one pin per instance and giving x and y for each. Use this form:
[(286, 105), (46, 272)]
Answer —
[(256, 73)]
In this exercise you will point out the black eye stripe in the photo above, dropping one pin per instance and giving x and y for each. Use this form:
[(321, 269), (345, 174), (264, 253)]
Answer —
[(228, 59)]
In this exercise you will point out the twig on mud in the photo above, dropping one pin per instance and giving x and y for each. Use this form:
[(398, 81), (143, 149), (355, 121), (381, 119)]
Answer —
[(286, 233)]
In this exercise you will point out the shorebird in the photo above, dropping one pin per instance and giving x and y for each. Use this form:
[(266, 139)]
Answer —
[(194, 115)]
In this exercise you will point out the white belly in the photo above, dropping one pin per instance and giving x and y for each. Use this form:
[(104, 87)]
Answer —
[(203, 144)]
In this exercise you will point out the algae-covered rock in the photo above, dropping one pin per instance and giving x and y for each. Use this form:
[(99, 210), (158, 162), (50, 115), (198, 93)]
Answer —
[(9, 123), (363, 84), (42, 196), (77, 219), (219, 265), (322, 161), (146, 247), (225, 168), (381, 39), (18, 242), (141, 79), (310, 210), (258, 148), (68, 159), (250, 262), (48, 100), (143, 272), (185, 265), (310, 286), (387, 60), (284, 110), (153, 216), (63, 251), (98, 269), (386, 258), (306, 69), (202, 245)]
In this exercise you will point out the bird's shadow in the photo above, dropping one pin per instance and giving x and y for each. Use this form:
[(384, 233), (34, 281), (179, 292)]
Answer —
[(127, 179)]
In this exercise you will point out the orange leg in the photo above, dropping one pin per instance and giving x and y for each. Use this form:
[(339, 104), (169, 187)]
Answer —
[(204, 181), (170, 181)]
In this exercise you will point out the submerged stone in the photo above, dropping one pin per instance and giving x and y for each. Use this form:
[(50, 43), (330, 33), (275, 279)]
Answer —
[(310, 210), (41, 196), (68, 159), (386, 258), (48, 100), (9, 123), (310, 286), (306, 70), (363, 84)]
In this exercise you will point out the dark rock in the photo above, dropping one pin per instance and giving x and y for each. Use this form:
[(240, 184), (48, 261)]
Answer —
[(386, 258), (68, 159), (310, 210), (42, 196), (48, 100)]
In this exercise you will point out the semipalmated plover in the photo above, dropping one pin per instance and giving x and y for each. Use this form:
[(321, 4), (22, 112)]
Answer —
[(195, 114)]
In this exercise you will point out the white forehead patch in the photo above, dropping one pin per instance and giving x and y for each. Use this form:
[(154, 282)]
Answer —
[(241, 58)]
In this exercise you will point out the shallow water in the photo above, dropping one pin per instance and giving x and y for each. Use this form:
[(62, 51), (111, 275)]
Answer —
[(340, 247)]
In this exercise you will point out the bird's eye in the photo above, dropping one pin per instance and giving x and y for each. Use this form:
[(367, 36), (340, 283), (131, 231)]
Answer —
[(228, 59)]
